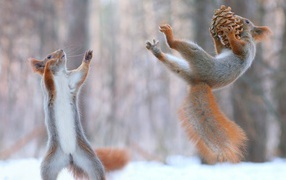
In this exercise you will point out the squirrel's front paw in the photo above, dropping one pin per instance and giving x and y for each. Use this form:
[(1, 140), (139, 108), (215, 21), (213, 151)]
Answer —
[(228, 30), (166, 29), (213, 34), (88, 56), (152, 45)]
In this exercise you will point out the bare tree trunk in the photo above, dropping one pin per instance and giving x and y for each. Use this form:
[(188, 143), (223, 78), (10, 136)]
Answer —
[(280, 94), (47, 29), (77, 31), (202, 18)]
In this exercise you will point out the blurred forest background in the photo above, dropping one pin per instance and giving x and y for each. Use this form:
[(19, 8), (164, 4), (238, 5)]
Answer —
[(130, 99)]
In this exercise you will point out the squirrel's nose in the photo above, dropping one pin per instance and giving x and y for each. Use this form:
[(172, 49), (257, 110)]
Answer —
[(60, 52)]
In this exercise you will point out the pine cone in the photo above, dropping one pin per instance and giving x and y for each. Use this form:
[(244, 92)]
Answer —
[(223, 17)]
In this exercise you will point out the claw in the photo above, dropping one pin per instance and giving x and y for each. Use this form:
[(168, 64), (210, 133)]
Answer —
[(150, 45), (162, 29), (165, 28), (88, 55), (228, 29)]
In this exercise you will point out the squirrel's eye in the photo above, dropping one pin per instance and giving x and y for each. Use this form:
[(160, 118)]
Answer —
[(49, 57), (247, 21)]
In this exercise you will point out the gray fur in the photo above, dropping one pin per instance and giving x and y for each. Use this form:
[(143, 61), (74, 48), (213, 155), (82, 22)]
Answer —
[(200, 115), (217, 72), (55, 159)]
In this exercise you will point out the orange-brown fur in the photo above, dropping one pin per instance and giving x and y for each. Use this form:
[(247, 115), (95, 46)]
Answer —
[(82, 159), (236, 45), (172, 42), (84, 146), (258, 33), (84, 66), (38, 66), (50, 152), (113, 158), (228, 138), (216, 137), (48, 81)]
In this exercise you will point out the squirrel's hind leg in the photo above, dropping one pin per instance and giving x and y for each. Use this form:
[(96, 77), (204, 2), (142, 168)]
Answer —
[(54, 161), (85, 159)]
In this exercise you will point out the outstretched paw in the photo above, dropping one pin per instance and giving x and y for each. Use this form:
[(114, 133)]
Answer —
[(166, 29), (88, 56), (152, 45)]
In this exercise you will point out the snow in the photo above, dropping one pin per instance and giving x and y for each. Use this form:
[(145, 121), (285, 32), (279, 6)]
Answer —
[(176, 168)]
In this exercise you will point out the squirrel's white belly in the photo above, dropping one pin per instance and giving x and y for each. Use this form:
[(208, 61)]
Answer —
[(64, 116)]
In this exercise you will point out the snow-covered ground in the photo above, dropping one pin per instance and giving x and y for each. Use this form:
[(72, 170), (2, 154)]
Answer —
[(177, 168)]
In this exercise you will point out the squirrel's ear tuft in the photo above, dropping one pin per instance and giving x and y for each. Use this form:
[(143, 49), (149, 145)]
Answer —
[(38, 66), (260, 33)]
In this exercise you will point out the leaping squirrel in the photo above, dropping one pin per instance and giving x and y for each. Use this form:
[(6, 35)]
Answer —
[(67, 143), (215, 136)]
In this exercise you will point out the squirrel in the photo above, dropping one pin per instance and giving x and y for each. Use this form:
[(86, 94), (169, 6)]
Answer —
[(67, 143), (216, 137)]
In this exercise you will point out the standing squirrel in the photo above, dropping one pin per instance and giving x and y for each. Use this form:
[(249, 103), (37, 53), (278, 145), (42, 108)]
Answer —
[(215, 136), (67, 143)]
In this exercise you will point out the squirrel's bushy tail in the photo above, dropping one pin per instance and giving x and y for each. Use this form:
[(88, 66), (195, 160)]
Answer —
[(113, 158), (215, 136)]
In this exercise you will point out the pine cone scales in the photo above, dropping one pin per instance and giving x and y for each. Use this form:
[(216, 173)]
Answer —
[(222, 18)]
